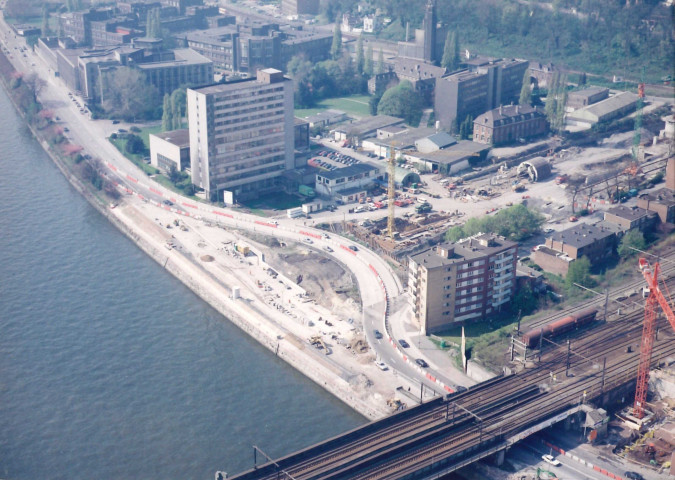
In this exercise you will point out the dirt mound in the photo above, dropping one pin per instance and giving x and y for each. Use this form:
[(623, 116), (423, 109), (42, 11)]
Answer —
[(206, 258)]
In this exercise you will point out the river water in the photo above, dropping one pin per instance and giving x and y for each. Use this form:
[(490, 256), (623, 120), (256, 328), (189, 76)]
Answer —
[(109, 367)]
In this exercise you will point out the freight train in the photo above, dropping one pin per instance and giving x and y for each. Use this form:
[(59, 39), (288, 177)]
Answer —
[(558, 327)]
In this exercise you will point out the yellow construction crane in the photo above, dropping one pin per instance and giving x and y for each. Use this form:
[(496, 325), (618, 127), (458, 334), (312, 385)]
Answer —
[(391, 191)]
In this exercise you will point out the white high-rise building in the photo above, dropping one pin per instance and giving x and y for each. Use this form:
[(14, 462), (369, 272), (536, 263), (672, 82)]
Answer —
[(241, 135)]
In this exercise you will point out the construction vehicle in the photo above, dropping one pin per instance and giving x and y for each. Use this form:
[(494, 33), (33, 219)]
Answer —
[(655, 298), (549, 475), (518, 187)]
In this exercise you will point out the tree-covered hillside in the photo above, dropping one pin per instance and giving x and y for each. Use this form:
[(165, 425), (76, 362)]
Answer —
[(605, 37)]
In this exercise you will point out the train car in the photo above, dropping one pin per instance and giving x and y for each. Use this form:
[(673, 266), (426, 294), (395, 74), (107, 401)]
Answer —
[(531, 337), (586, 316), (563, 325), (559, 327)]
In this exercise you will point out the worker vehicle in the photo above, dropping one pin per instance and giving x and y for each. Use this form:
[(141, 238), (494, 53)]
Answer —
[(558, 327)]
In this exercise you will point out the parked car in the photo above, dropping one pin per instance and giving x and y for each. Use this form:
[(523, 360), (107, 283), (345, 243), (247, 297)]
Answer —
[(378, 334), (551, 460), (421, 363)]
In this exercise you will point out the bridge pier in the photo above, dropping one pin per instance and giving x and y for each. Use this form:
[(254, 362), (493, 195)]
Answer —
[(499, 457)]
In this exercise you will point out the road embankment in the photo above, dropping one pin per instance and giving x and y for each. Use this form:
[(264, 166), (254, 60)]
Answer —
[(190, 273)]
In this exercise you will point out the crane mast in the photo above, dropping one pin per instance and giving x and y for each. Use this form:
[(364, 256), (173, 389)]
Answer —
[(391, 191), (655, 299)]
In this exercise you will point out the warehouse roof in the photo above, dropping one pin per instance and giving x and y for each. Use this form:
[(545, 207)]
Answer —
[(349, 171)]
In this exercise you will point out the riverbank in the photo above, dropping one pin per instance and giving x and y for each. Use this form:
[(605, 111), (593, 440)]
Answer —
[(193, 275)]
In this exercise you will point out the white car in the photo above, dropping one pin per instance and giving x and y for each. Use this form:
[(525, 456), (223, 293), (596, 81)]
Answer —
[(551, 460), (382, 366), (308, 240)]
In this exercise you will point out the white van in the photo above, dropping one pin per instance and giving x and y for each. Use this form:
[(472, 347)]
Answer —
[(422, 200)]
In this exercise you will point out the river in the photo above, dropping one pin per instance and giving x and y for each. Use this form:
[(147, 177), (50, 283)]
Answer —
[(109, 367)]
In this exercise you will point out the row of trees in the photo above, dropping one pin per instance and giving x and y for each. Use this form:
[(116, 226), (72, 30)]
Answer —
[(556, 101), (173, 110), (514, 223)]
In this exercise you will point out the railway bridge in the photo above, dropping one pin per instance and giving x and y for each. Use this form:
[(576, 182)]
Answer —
[(450, 432)]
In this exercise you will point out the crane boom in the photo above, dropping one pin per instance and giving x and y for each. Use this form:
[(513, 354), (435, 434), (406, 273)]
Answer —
[(655, 299)]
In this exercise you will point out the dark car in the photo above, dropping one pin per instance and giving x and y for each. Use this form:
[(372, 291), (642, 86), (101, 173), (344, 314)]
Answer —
[(167, 202), (378, 334), (353, 248), (460, 389), (634, 476), (115, 122), (403, 343), (421, 363)]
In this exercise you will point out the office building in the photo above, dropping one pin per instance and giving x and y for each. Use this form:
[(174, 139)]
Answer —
[(241, 135), (484, 85), (509, 123), (454, 283)]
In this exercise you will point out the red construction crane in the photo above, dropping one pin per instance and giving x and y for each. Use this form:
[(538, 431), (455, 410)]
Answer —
[(654, 299)]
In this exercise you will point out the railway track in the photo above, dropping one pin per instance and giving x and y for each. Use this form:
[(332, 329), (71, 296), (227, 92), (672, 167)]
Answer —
[(668, 270), (416, 439)]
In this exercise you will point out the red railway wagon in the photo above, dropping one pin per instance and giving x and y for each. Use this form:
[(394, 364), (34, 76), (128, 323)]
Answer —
[(560, 326)]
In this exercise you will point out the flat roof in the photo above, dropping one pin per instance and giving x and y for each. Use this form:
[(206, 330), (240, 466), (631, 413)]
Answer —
[(370, 124), (180, 138), (588, 92), (581, 235), (629, 213), (465, 249), (348, 171), (462, 150), (406, 139), (182, 56), (663, 196)]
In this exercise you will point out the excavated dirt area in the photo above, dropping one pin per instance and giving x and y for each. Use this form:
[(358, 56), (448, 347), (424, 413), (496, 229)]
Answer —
[(326, 281)]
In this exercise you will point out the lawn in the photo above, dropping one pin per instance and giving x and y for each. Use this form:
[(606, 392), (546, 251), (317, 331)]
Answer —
[(356, 105)]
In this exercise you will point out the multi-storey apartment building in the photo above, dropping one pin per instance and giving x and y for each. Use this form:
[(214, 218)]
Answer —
[(468, 280), (241, 135)]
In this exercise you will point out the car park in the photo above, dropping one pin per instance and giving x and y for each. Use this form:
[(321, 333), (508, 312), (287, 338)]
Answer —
[(549, 459), (378, 334), (403, 344), (421, 363)]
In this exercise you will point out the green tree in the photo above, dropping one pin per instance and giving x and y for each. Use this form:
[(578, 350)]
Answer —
[(368, 62), (360, 60), (46, 31), (515, 223), (127, 94), (336, 47), (380, 62), (134, 144), (632, 239), (524, 300), (167, 120), (401, 101), (451, 52), (152, 25), (373, 101), (525, 90), (178, 104), (579, 272)]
